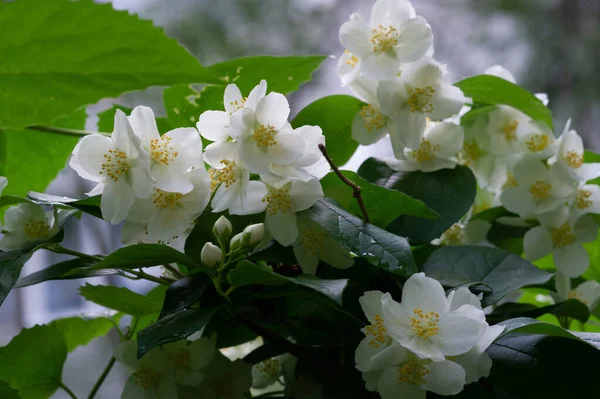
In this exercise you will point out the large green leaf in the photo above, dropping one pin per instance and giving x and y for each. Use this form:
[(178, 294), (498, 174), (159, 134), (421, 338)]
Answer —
[(11, 264), (121, 299), (57, 271), (283, 74), (571, 308), (174, 327), (525, 325), (334, 114), (58, 55), (248, 273), (383, 204), (492, 90), (6, 392), (32, 362), (183, 293), (89, 205), (449, 192), (381, 248), (79, 331), (494, 271)]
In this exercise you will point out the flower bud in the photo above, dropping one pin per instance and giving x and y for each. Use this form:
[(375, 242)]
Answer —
[(211, 255), (253, 234), (236, 242), (222, 229)]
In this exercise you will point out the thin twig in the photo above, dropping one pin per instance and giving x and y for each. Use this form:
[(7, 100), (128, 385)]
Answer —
[(173, 270), (355, 187), (149, 277), (102, 377), (70, 132), (68, 390)]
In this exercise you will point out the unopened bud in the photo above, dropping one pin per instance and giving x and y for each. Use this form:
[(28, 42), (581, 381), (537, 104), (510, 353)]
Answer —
[(211, 255), (222, 229), (236, 242), (253, 234)]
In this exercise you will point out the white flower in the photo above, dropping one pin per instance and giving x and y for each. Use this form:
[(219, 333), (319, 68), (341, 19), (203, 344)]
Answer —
[(536, 140), (222, 229), (570, 155), (587, 292), (26, 225), (186, 359), (214, 125), (473, 232), (562, 234), (348, 67), (268, 371), (420, 93), (314, 243), (120, 166), (137, 233), (424, 324), (169, 214), (436, 150), (370, 124), (502, 129), (586, 199), (211, 255), (265, 136), (394, 35), (224, 379), (253, 234), (151, 377), (172, 155), (281, 200), (538, 189)]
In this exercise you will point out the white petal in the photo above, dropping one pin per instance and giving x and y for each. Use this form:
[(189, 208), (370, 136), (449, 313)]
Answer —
[(141, 180), (391, 13), (143, 123), (397, 320), (169, 223), (273, 110), (364, 133), (389, 387), (254, 157), (447, 136), (257, 93), (414, 40), (445, 378), (171, 179), (381, 66), (283, 227), (253, 201), (3, 183), (421, 292), (307, 258), (132, 390), (336, 255), (123, 136), (587, 171), (562, 284), (457, 334), (537, 243), (590, 293), (489, 336), (407, 131), (371, 304), (213, 125), (88, 156), (305, 194), (424, 348), (143, 211), (126, 354), (354, 35), (116, 201), (220, 151), (586, 229), (225, 196), (188, 144), (501, 72), (365, 89), (232, 98), (447, 101), (462, 296), (424, 73), (372, 357), (572, 260), (518, 200), (530, 171), (289, 148)]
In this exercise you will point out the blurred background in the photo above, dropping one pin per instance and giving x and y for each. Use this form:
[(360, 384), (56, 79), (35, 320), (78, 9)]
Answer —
[(551, 46)]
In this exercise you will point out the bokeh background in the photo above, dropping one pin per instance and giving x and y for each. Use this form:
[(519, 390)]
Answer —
[(551, 46)]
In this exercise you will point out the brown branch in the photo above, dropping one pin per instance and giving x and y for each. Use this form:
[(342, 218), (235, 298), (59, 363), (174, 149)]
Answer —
[(355, 187)]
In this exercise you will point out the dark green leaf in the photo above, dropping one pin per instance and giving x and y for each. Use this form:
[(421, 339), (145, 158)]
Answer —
[(492, 90), (383, 205), (381, 248), (56, 272), (7, 200), (571, 308), (525, 325), (33, 361), (491, 269), (173, 327), (229, 331), (89, 205), (6, 392), (11, 264), (121, 299), (470, 116), (333, 114), (248, 273), (79, 331), (183, 293), (283, 74), (449, 192)]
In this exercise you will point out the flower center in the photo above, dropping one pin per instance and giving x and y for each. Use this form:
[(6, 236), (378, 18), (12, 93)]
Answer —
[(352, 61), (425, 325), (384, 38), (373, 119), (577, 295), (313, 240), (161, 150), (419, 99), (270, 367), (412, 373), (378, 331), (470, 152), (115, 164), (238, 104), (146, 377), (183, 359), (454, 235), (225, 175), (278, 200), (265, 136), (582, 200), (425, 151), (562, 236), (511, 181), (164, 199), (510, 131), (37, 229), (574, 159), (540, 189), (538, 143)]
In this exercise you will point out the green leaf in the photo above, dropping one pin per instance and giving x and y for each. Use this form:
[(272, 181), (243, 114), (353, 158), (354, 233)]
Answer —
[(381, 248), (383, 205), (89, 205), (11, 264), (492, 90), (32, 362), (248, 273), (525, 325), (449, 192), (120, 299), (184, 104), (283, 74), (334, 114), (470, 116), (173, 327), (571, 308), (56, 272), (183, 293), (64, 54), (7, 200), (6, 392), (495, 271), (106, 120), (79, 331)]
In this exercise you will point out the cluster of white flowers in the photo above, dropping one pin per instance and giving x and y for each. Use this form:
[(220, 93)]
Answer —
[(427, 342)]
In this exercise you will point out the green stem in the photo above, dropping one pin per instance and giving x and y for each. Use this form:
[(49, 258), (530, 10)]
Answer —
[(102, 377), (70, 132), (68, 391), (59, 249), (149, 277)]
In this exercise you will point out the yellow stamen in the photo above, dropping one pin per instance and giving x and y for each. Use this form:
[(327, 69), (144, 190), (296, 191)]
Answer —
[(412, 372), (313, 240), (454, 235), (238, 104), (577, 295), (425, 152), (146, 378), (161, 150), (278, 200), (470, 152), (183, 359), (425, 325), (378, 331), (538, 143), (37, 229), (271, 367), (562, 236), (373, 119), (225, 175), (574, 159), (540, 189), (352, 61), (582, 200), (264, 136), (510, 131), (164, 199), (115, 164), (419, 99), (384, 38)]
